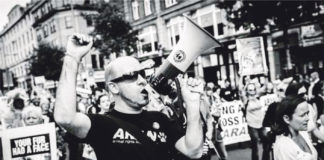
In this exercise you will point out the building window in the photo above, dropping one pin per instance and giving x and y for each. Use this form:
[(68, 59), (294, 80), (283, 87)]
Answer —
[(39, 35), (206, 21), (94, 61), (23, 39), (219, 22), (49, 7), (27, 35), (174, 28), (43, 11), (148, 43), (66, 2), (89, 21), (31, 34), (101, 60), (68, 22), (135, 10), (45, 30), (52, 26), (169, 3), (147, 7)]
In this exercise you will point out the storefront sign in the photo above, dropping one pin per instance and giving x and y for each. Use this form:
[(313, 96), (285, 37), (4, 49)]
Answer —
[(311, 35), (33, 142), (251, 55), (233, 123)]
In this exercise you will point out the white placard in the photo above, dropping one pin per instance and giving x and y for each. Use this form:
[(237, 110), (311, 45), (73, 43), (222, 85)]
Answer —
[(34, 142)]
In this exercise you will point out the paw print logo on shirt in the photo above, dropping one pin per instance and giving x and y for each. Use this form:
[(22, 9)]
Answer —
[(162, 136)]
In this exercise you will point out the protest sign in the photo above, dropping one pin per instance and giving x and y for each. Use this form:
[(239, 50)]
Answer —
[(251, 56), (32, 142), (233, 123), (266, 100)]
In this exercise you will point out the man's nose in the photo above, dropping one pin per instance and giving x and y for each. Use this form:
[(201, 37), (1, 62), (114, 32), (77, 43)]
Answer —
[(141, 80)]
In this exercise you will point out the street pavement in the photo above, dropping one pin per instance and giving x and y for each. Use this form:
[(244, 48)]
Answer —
[(240, 151)]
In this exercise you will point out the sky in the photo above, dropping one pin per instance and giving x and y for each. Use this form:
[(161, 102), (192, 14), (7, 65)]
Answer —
[(6, 6)]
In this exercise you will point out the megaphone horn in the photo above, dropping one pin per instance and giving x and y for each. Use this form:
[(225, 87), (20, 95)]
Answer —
[(194, 40)]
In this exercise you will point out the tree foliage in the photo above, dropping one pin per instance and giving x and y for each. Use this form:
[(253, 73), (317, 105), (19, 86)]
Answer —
[(48, 62), (113, 34), (255, 15)]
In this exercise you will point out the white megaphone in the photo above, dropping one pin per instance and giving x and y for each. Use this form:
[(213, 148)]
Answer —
[(193, 42)]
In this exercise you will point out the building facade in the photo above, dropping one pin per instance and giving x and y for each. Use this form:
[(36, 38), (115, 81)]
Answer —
[(18, 40), (160, 23), (45, 21)]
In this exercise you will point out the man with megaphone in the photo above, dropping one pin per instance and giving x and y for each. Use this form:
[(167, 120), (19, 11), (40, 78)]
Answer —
[(128, 132)]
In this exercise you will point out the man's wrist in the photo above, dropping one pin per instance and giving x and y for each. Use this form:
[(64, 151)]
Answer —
[(72, 57), (71, 62)]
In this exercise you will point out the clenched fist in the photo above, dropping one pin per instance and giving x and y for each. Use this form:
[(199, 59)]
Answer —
[(78, 45)]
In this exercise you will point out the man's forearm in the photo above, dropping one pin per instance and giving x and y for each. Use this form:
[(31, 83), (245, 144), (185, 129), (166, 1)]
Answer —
[(65, 106), (194, 133)]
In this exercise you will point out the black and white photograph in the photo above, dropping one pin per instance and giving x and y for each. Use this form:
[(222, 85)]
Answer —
[(161, 80)]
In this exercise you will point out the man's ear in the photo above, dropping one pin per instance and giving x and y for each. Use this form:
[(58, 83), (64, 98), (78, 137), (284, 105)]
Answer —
[(113, 87), (286, 119)]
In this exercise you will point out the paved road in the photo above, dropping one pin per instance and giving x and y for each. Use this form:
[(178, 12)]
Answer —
[(240, 151)]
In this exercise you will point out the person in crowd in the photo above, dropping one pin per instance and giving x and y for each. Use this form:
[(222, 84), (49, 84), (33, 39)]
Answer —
[(46, 109), (214, 140), (314, 87), (318, 100), (292, 141), (4, 110), (105, 133), (269, 88), (227, 93), (104, 104), (254, 117), (35, 99), (269, 118), (13, 119), (82, 104), (216, 130), (300, 79), (297, 89), (32, 116)]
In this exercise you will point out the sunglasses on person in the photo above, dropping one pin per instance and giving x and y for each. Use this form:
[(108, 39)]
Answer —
[(130, 76)]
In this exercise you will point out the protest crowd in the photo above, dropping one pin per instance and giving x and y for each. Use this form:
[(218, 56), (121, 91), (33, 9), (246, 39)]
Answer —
[(286, 112)]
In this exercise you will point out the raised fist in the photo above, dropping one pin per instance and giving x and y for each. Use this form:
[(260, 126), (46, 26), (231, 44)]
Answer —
[(78, 45)]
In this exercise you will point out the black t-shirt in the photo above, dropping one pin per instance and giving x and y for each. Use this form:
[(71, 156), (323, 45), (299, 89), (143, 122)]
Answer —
[(114, 143)]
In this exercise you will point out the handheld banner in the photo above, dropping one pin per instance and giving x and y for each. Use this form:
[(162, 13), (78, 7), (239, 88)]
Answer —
[(233, 123), (251, 55), (32, 142)]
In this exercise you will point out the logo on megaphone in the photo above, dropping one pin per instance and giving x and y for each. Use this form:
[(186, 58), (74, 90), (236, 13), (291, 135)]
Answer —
[(194, 40), (179, 56)]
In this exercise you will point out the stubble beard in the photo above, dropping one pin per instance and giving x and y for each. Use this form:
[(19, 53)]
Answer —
[(134, 103)]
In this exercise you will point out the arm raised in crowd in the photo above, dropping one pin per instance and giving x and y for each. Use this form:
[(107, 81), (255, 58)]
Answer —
[(191, 144), (65, 107)]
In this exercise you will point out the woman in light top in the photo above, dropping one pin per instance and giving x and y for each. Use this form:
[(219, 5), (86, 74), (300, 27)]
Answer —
[(292, 140)]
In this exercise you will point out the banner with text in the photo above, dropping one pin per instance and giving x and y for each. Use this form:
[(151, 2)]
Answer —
[(233, 123), (32, 142), (251, 55)]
